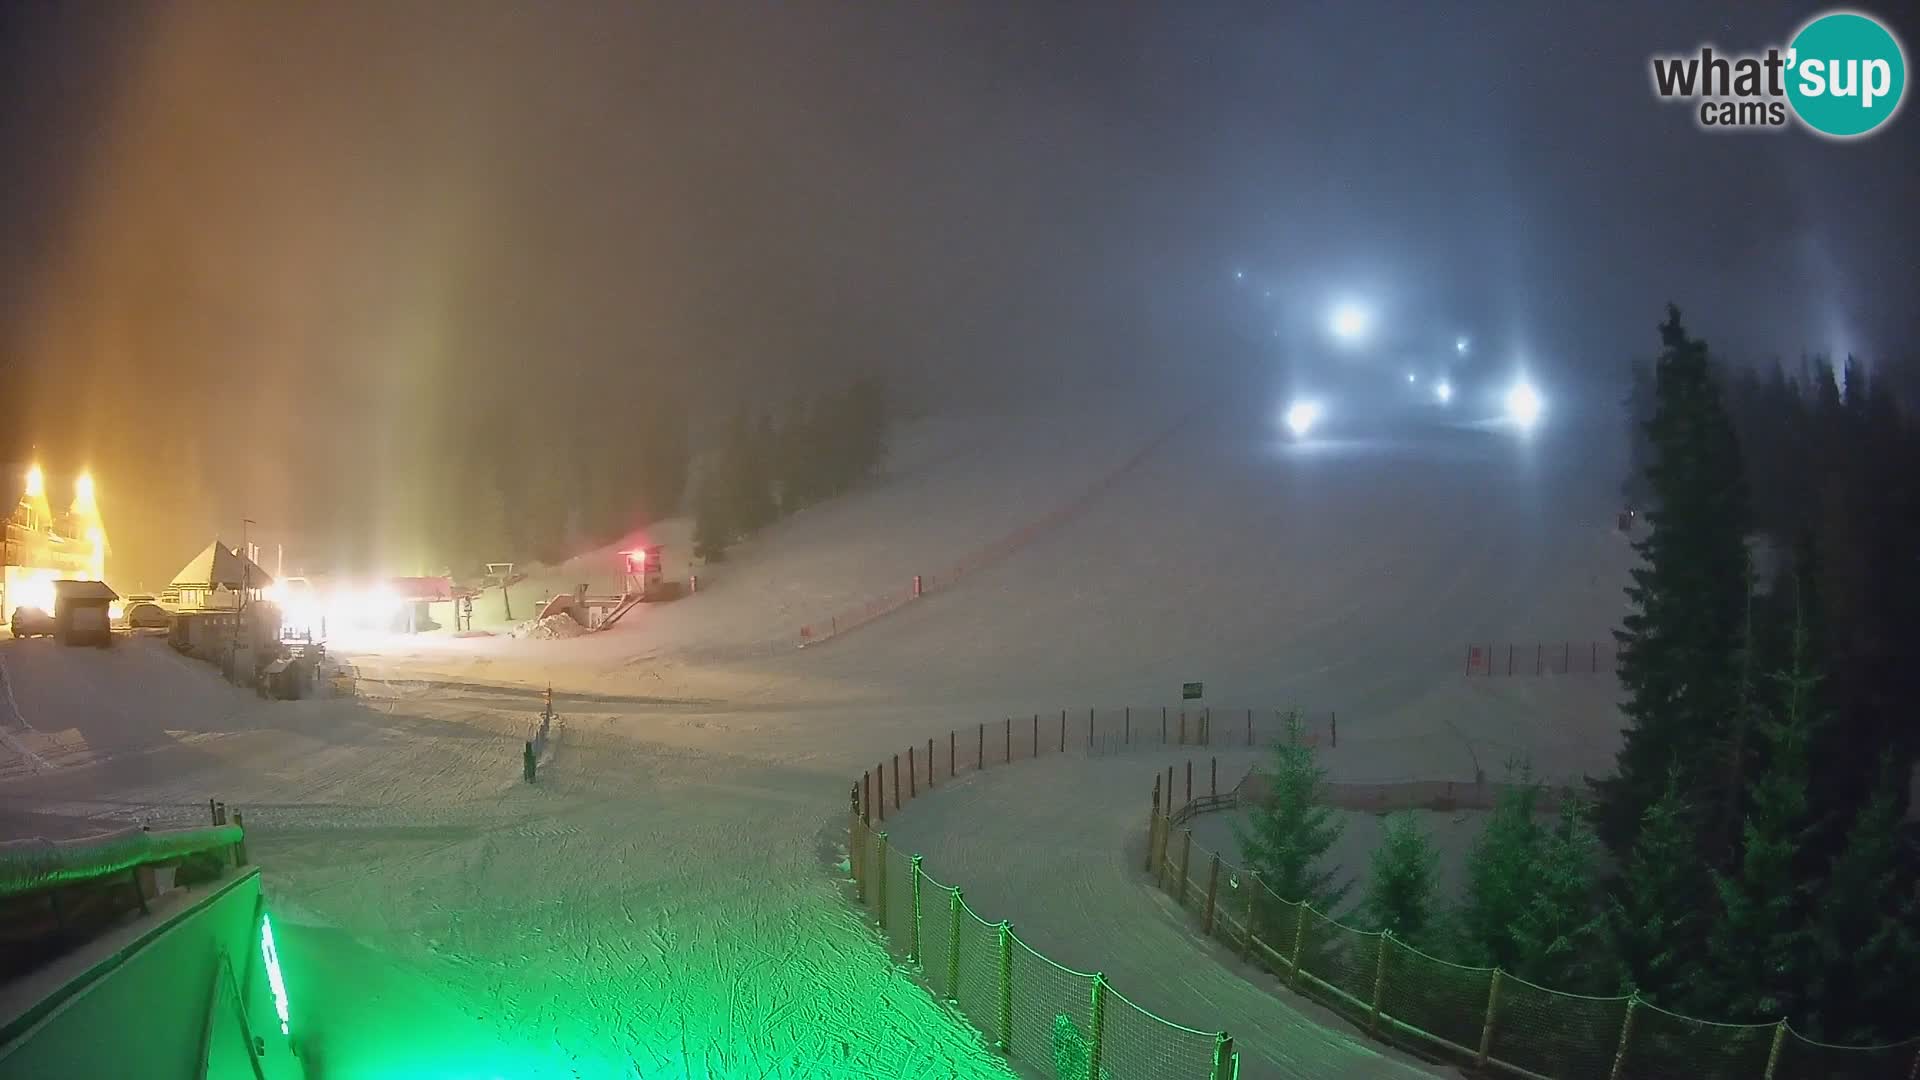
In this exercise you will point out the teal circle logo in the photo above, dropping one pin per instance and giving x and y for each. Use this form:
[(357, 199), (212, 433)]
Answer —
[(1845, 75)]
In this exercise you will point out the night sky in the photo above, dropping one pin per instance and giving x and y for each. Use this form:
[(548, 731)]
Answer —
[(293, 263)]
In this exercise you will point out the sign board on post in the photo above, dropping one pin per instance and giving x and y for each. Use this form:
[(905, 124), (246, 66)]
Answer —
[(1190, 691)]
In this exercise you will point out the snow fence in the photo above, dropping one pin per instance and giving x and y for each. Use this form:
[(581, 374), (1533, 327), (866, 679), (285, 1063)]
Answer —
[(1061, 1022), (1483, 1016)]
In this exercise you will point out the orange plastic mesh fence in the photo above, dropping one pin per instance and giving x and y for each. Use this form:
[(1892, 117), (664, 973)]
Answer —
[(1445, 1001), (1138, 1045), (1558, 1035), (1668, 1044), (1806, 1059), (1043, 990)]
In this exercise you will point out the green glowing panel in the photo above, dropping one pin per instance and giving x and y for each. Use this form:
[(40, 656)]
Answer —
[(272, 958)]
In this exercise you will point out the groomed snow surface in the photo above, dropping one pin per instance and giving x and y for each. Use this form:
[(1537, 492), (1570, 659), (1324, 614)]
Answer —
[(669, 898)]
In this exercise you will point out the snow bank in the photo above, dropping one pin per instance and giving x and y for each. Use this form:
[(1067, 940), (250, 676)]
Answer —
[(558, 625)]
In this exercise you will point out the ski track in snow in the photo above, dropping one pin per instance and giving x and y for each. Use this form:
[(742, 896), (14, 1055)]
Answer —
[(664, 902)]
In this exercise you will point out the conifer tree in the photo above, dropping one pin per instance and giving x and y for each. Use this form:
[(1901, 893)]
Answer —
[(1679, 646), (1502, 873), (1759, 941), (1656, 911), (1400, 883), (1560, 935), (1290, 831), (1866, 930)]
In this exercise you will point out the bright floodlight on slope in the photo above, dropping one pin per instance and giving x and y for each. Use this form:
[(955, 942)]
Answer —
[(1460, 346), (1411, 377), (1523, 404), (1301, 416), (1444, 391), (1350, 322)]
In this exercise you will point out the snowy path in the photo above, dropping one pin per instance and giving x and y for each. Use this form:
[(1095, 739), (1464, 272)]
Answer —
[(1093, 908)]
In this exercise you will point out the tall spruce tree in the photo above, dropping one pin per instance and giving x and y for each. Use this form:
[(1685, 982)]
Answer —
[(1680, 644), (1560, 934), (1400, 881), (1759, 942), (1658, 908), (1502, 874), (1290, 831), (1866, 930)]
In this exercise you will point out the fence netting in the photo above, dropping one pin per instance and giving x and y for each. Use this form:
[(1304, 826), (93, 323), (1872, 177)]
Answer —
[(1140, 1045), (1444, 1000), (1663, 1043), (979, 994), (1805, 1059), (1042, 991), (1554, 1034), (1036, 1010)]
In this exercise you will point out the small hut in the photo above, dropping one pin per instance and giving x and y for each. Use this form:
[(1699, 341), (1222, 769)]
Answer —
[(81, 613)]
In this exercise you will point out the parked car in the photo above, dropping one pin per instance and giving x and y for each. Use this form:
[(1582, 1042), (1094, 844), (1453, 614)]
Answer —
[(145, 614), (31, 622)]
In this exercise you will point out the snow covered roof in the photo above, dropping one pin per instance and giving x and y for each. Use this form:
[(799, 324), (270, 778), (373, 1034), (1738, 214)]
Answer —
[(84, 590), (219, 564)]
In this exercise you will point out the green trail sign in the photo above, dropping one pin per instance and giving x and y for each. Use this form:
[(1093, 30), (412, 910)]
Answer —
[(1190, 691)]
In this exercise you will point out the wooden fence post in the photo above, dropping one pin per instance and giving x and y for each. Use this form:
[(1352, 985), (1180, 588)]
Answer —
[(953, 754), (1006, 987), (240, 845), (1333, 728), (1213, 783), (1099, 1025), (1186, 857), (880, 788), (1773, 1052), (896, 781), (1213, 891), (1183, 727), (913, 931), (954, 910), (1299, 938), (1169, 790), (1009, 739), (1626, 1036), (980, 759), (880, 879), (929, 764), (1249, 727), (1153, 822), (1253, 901), (1486, 1029), (913, 783), (1160, 852), (1189, 782), (1036, 734), (1126, 726), (1379, 981), (866, 797)]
